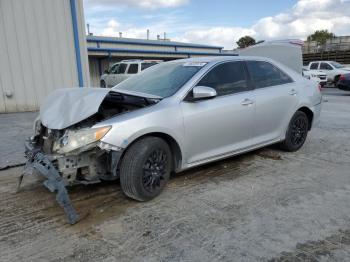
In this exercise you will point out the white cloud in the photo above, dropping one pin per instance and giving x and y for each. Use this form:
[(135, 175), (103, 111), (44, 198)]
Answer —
[(144, 4), (302, 19), (221, 36)]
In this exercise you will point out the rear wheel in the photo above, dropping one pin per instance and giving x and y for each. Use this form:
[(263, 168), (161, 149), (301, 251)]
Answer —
[(103, 84), (145, 168), (297, 132)]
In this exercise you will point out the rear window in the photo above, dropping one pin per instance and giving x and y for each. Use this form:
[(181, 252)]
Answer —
[(147, 65), (265, 74), (133, 68)]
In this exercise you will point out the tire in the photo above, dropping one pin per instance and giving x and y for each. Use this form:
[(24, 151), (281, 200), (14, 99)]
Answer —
[(297, 132), (145, 168), (103, 84)]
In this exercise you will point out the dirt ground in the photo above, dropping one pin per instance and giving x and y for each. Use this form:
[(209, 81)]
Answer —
[(267, 205)]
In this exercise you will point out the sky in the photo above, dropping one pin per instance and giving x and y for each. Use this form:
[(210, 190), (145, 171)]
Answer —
[(220, 22)]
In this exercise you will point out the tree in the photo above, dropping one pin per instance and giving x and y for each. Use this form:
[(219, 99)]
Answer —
[(246, 41), (320, 36)]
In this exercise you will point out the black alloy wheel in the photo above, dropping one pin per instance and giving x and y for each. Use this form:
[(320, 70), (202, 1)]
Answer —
[(154, 170), (145, 168), (296, 133), (299, 131)]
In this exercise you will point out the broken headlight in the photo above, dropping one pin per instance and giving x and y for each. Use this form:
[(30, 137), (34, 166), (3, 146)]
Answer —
[(73, 140)]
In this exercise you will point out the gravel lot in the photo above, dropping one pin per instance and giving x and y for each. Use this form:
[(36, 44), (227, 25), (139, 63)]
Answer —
[(267, 205)]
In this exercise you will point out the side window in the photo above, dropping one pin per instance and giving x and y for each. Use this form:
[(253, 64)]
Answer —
[(314, 66), (147, 65), (265, 74), (114, 69), (133, 68), (227, 78), (325, 66), (122, 68)]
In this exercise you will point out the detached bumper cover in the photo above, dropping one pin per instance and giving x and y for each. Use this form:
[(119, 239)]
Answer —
[(39, 162)]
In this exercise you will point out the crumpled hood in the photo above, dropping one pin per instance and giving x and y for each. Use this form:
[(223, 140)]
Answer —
[(68, 106)]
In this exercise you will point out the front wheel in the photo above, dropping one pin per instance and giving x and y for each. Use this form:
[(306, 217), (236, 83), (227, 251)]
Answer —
[(103, 84), (145, 168), (296, 133)]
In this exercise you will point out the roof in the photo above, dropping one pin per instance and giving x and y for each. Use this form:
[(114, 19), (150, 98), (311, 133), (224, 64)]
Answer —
[(209, 59), (135, 41)]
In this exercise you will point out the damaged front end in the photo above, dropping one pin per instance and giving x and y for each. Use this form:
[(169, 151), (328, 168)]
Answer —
[(68, 150)]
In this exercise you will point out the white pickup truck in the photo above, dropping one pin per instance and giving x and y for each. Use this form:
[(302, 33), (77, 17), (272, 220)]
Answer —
[(332, 69)]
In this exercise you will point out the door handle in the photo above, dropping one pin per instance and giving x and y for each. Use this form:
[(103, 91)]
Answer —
[(293, 92), (247, 102)]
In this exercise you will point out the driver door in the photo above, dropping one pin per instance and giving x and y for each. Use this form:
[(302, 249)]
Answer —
[(224, 124)]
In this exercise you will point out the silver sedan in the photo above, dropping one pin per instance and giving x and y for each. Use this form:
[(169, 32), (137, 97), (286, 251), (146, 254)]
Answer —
[(171, 117)]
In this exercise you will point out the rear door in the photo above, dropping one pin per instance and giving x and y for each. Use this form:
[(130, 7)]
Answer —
[(275, 96)]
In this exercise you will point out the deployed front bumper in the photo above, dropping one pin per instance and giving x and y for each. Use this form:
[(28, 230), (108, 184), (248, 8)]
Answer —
[(39, 162), (60, 170)]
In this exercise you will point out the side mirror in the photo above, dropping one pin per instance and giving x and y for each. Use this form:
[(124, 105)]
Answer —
[(106, 71), (202, 93)]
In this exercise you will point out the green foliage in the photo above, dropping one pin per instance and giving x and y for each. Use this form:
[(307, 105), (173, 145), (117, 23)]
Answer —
[(320, 36), (246, 41)]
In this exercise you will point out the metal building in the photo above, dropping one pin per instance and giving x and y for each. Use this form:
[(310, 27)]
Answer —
[(104, 51), (42, 47)]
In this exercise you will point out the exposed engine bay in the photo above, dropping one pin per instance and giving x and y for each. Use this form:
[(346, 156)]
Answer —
[(93, 161), (75, 154)]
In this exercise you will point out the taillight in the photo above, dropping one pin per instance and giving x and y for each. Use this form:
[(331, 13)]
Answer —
[(341, 78), (319, 87)]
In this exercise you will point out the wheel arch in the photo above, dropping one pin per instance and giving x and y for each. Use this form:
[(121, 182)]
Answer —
[(308, 112), (172, 143)]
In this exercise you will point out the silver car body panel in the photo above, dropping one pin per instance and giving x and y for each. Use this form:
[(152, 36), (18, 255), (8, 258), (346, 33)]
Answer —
[(204, 130), (68, 106)]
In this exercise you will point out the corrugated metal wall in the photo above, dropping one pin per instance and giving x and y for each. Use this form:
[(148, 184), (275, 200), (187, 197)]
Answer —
[(37, 53)]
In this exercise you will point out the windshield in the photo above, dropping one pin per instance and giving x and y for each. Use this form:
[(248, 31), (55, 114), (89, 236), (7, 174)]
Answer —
[(163, 80), (336, 65)]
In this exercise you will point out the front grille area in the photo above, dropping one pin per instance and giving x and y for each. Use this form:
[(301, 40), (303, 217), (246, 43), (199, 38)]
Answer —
[(46, 139)]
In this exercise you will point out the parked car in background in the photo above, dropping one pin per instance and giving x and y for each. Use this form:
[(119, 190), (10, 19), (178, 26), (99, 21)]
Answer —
[(344, 82), (332, 69), (120, 71), (316, 76), (171, 117)]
